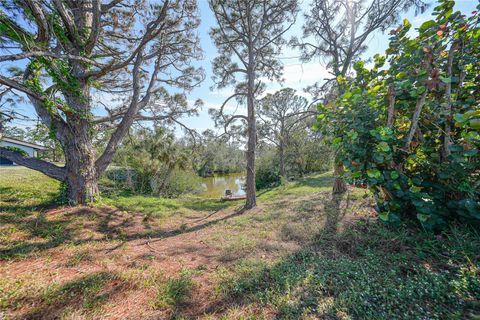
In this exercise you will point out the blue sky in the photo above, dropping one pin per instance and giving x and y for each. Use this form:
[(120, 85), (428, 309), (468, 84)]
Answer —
[(296, 74)]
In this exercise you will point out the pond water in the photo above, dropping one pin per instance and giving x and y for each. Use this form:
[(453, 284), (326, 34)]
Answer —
[(215, 186)]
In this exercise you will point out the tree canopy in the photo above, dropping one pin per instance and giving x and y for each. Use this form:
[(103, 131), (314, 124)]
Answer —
[(76, 54)]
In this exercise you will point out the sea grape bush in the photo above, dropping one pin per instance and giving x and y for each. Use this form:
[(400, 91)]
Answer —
[(409, 126)]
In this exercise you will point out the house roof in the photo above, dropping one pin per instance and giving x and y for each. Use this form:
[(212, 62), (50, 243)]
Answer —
[(23, 143)]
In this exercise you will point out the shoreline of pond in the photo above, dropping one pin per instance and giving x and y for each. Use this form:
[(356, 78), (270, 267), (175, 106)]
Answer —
[(214, 186)]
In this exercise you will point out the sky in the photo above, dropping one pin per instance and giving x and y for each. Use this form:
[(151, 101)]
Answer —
[(297, 75)]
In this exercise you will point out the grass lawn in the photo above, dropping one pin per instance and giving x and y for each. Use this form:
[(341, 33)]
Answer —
[(301, 254)]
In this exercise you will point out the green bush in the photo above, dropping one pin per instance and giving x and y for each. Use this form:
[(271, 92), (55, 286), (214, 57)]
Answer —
[(170, 185), (421, 160), (16, 149), (152, 162), (180, 182), (267, 173)]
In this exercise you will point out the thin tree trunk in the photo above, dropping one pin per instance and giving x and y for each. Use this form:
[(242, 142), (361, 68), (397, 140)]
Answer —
[(339, 186), (448, 106), (418, 108), (391, 106), (415, 119), (281, 154), (251, 200)]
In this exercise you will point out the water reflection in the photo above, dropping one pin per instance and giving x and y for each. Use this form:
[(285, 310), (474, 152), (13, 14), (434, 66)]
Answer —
[(214, 187)]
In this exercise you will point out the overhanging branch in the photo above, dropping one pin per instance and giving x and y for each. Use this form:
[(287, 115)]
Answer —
[(44, 167)]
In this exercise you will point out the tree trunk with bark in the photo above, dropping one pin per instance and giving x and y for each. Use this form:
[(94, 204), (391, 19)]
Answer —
[(251, 189), (447, 141), (281, 155), (339, 186), (391, 106), (251, 200), (80, 172)]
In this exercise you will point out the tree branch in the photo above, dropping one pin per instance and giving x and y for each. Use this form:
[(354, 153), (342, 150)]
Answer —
[(39, 53), (45, 167)]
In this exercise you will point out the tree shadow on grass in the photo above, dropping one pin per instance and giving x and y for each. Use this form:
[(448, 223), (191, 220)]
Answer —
[(45, 233), (334, 213), (12, 204), (317, 181), (209, 204), (81, 295), (361, 270), (37, 228), (256, 281), (159, 235)]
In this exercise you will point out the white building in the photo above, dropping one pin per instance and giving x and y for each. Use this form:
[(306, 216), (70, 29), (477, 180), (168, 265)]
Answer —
[(30, 148)]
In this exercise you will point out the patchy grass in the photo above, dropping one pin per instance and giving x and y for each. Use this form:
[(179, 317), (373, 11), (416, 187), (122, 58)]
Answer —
[(367, 272), (163, 207), (301, 254), (174, 292), (22, 189)]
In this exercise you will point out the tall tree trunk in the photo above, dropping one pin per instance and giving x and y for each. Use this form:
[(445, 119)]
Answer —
[(252, 135), (251, 189), (251, 200)]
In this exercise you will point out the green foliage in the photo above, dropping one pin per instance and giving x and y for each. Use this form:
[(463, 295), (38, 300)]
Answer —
[(267, 172), (174, 292), (17, 150), (62, 196), (434, 176), (217, 155), (152, 162), (305, 153), (181, 182), (362, 274)]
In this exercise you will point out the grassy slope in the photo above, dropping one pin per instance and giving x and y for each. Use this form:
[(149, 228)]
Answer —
[(300, 255)]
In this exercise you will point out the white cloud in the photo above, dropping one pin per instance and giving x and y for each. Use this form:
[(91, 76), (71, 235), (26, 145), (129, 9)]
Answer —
[(299, 76), (223, 93)]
